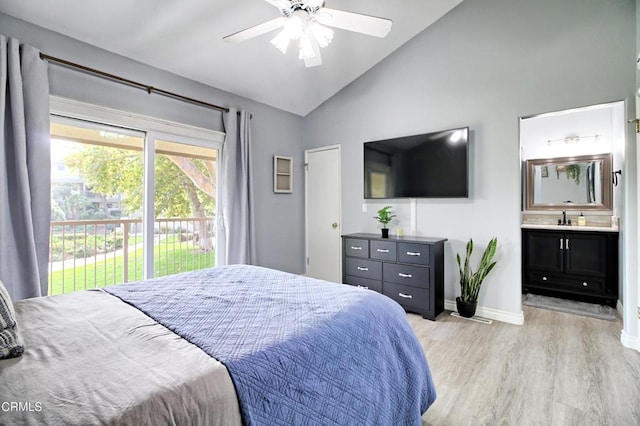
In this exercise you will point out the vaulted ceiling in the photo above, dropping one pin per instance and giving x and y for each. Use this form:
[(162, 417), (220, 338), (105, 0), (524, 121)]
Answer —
[(185, 38)]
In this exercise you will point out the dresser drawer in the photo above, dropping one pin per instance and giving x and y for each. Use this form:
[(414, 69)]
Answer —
[(413, 253), (364, 282), (416, 276), (405, 295), (356, 248), (364, 268), (383, 250)]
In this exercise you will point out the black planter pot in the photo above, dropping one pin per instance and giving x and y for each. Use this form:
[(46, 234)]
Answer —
[(466, 309), (385, 232)]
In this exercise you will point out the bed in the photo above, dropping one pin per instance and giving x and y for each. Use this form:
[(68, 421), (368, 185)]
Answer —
[(222, 346)]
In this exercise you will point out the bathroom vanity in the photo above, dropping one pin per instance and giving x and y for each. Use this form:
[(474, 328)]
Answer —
[(572, 262), (569, 229)]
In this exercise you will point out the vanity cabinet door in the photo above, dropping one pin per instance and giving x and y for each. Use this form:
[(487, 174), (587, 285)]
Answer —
[(544, 251), (586, 254)]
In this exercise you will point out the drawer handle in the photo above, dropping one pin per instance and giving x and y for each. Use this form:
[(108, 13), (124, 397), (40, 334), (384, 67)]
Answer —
[(413, 253), (405, 275), (585, 284), (356, 248), (382, 250), (406, 296), (544, 278), (360, 268), (363, 286)]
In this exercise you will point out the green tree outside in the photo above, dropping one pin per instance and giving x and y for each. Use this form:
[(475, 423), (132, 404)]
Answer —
[(184, 187)]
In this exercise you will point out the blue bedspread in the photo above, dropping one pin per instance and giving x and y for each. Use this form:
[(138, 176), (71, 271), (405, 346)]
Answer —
[(299, 350)]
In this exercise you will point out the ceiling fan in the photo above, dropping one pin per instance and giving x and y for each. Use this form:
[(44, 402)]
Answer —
[(306, 21)]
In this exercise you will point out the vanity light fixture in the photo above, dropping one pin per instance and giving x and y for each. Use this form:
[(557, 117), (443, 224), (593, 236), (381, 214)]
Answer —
[(573, 139)]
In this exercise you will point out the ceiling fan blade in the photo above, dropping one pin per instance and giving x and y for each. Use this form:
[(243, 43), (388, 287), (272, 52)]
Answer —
[(256, 30), (280, 4), (314, 3), (365, 24)]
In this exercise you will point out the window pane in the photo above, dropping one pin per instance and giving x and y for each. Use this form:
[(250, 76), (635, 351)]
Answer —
[(185, 205), (378, 185), (96, 206)]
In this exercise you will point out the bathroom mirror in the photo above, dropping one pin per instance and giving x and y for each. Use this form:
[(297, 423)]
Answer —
[(569, 183)]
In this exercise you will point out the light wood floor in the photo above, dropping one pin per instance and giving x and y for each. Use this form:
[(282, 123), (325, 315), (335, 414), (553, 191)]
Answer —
[(557, 369)]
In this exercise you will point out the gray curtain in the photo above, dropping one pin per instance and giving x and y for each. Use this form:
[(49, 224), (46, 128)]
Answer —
[(25, 204), (237, 244)]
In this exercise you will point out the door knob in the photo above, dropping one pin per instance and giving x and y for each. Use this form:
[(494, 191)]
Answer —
[(334, 225)]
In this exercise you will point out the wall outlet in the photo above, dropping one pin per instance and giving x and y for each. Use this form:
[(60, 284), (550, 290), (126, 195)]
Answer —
[(364, 207)]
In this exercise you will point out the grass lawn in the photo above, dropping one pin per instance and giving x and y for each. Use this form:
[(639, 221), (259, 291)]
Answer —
[(169, 258)]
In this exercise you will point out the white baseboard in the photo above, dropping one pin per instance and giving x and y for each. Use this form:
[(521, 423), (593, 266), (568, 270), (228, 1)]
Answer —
[(632, 342), (494, 314), (628, 341), (620, 308)]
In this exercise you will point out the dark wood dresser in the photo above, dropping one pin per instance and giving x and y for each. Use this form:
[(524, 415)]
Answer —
[(410, 270), (579, 265)]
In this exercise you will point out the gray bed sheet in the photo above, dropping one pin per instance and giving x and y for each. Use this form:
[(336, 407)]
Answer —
[(92, 359)]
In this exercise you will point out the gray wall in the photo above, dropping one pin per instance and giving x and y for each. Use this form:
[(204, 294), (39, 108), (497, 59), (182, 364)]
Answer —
[(483, 65), (280, 217)]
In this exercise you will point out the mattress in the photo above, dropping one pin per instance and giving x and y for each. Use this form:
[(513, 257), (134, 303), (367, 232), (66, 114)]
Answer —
[(221, 346), (299, 350), (91, 359)]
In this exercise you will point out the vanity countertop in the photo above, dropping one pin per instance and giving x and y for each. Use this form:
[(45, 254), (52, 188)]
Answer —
[(570, 227)]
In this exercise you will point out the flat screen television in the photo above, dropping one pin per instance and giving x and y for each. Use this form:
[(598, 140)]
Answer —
[(431, 165)]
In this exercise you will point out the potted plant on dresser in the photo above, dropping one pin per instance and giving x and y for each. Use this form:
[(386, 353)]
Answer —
[(470, 282), (384, 216)]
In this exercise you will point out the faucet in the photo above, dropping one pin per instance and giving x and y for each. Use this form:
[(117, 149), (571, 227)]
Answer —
[(564, 221)]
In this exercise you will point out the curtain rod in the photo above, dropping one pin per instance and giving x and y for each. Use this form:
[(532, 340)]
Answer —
[(149, 89)]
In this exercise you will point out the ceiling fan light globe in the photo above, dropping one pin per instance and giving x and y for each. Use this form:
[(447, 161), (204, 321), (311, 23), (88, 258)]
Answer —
[(294, 27), (322, 34), (281, 41), (306, 48)]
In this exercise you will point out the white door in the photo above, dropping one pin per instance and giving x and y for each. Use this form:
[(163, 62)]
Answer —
[(322, 194)]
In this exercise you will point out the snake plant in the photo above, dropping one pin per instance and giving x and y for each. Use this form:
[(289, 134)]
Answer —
[(470, 282)]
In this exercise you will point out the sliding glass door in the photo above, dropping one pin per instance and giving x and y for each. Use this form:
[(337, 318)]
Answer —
[(127, 205), (185, 205)]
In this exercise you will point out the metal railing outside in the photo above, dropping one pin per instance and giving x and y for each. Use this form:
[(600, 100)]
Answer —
[(87, 254)]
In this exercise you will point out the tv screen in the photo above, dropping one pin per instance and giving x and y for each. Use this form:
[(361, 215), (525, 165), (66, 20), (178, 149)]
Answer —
[(432, 165)]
